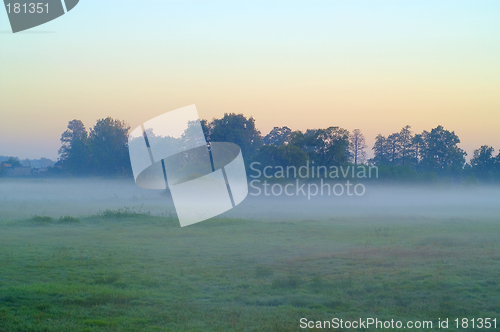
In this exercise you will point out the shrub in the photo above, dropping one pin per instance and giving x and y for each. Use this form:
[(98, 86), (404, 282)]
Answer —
[(42, 219), (121, 214), (68, 220)]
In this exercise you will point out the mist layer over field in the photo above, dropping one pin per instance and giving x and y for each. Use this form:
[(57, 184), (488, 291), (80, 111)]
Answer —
[(24, 198)]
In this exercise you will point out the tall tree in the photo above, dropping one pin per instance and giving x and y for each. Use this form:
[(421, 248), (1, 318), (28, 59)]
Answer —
[(357, 146), (393, 148), (418, 145), (441, 152), (405, 144), (235, 128), (381, 154), (483, 163), (74, 152), (277, 136), (328, 146), (108, 142)]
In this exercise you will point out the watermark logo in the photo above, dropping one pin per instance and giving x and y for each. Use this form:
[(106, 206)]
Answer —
[(310, 180), (170, 151), (25, 15)]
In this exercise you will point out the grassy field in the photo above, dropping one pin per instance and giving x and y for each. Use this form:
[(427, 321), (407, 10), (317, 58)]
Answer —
[(123, 271)]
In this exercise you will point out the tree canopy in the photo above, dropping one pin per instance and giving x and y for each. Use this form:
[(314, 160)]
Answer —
[(103, 150)]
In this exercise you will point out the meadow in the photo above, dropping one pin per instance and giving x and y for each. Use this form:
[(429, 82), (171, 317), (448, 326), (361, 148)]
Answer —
[(126, 270), (123, 271)]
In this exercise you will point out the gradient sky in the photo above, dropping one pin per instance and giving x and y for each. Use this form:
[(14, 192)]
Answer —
[(372, 65)]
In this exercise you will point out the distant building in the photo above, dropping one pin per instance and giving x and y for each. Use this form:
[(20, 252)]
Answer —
[(18, 171), (39, 171), (28, 167)]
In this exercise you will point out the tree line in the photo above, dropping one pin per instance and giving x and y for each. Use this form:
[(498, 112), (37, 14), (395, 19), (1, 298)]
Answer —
[(103, 150), (402, 156)]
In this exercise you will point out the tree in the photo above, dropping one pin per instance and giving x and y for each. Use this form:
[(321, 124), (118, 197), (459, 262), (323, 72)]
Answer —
[(237, 129), (405, 144), (74, 152), (483, 163), (328, 146), (357, 146), (277, 136), (435, 152), (283, 155), (441, 152), (190, 136), (108, 142), (14, 162), (418, 145), (393, 148), (381, 155)]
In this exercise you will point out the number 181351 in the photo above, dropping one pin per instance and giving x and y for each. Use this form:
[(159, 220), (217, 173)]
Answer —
[(25, 8), (480, 323)]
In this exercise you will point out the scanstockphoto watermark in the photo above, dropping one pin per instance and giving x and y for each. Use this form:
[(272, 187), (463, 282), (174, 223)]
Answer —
[(310, 180)]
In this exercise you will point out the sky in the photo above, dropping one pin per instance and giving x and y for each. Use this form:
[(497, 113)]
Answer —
[(372, 65)]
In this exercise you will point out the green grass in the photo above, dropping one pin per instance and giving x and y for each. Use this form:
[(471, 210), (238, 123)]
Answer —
[(125, 271)]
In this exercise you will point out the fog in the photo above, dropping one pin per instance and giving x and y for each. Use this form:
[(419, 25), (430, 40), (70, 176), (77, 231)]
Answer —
[(24, 198)]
